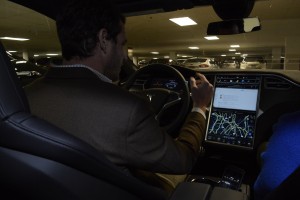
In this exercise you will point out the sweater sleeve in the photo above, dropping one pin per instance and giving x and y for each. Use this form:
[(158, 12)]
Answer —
[(150, 148)]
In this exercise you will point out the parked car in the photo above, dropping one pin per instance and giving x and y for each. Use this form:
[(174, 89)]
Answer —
[(199, 63), (26, 70), (230, 64), (253, 63), (142, 63)]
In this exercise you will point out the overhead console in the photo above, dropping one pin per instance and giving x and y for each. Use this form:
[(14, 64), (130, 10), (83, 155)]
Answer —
[(233, 111)]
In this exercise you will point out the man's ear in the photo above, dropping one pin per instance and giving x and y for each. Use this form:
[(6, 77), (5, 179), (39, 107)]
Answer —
[(103, 42)]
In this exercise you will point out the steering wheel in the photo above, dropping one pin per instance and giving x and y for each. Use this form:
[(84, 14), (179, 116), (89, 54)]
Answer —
[(162, 98)]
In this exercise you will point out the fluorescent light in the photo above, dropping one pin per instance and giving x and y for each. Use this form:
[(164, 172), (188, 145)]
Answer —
[(12, 38), (51, 54), (223, 55), (193, 47), (232, 49), (21, 61), (211, 38), (154, 52), (183, 21), (237, 53), (234, 46), (166, 56), (12, 51), (36, 55)]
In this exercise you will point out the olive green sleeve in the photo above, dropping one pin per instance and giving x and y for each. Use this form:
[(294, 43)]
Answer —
[(192, 132)]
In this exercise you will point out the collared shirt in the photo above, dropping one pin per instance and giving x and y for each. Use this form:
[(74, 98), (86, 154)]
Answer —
[(199, 110), (101, 76)]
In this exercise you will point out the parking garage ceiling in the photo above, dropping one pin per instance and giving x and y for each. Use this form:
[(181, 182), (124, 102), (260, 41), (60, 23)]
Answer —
[(151, 30)]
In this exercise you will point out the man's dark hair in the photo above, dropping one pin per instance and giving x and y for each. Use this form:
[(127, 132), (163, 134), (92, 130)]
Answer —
[(79, 23)]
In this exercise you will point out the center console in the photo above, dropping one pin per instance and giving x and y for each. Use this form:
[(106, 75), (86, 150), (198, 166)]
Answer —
[(202, 191)]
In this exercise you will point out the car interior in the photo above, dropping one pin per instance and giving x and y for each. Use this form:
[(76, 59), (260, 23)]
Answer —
[(42, 161)]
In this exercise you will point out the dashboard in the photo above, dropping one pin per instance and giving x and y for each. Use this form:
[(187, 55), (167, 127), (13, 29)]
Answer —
[(245, 106)]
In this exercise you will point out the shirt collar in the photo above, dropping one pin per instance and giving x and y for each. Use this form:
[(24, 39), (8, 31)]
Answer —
[(98, 74)]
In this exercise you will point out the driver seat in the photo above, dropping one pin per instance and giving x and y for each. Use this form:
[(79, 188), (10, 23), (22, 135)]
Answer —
[(41, 161)]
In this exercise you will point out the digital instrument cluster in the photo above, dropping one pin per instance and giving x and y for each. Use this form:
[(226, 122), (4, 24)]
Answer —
[(170, 84)]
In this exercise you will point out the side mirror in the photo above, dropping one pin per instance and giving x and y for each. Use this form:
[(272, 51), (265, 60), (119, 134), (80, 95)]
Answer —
[(235, 26)]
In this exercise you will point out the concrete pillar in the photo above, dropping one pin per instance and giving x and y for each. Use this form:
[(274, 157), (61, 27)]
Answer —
[(275, 60), (135, 60), (173, 55), (130, 52), (292, 53), (25, 55)]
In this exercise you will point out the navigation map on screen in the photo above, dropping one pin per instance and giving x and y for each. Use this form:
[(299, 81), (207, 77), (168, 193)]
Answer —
[(234, 109)]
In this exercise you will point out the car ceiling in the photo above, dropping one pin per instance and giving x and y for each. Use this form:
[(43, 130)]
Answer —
[(150, 30)]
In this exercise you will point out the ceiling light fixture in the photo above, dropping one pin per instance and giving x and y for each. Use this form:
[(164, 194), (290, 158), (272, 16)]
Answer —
[(51, 54), (211, 38), (223, 55), (193, 47), (232, 49), (183, 21), (234, 46), (21, 62), (12, 38), (154, 52)]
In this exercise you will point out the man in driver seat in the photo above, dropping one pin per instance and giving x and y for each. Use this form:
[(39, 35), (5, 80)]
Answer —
[(79, 96)]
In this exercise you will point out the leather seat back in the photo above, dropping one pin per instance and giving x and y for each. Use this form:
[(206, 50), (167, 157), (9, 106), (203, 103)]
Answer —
[(41, 161)]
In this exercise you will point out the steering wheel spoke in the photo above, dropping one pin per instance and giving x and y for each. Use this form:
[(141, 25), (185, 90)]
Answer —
[(173, 99), (162, 98)]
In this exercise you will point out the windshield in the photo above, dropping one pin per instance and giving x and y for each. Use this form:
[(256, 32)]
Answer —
[(155, 36)]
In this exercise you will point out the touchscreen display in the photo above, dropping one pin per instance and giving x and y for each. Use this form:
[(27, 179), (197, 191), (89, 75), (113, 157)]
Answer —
[(233, 111)]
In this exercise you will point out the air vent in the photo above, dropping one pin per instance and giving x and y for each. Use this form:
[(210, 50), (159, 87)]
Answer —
[(276, 83)]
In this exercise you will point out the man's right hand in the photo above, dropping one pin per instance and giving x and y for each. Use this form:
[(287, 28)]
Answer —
[(202, 91)]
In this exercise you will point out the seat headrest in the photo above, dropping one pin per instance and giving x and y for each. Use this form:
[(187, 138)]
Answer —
[(12, 96)]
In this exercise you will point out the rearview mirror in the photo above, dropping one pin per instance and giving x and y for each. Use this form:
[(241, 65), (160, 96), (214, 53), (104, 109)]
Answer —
[(235, 26)]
